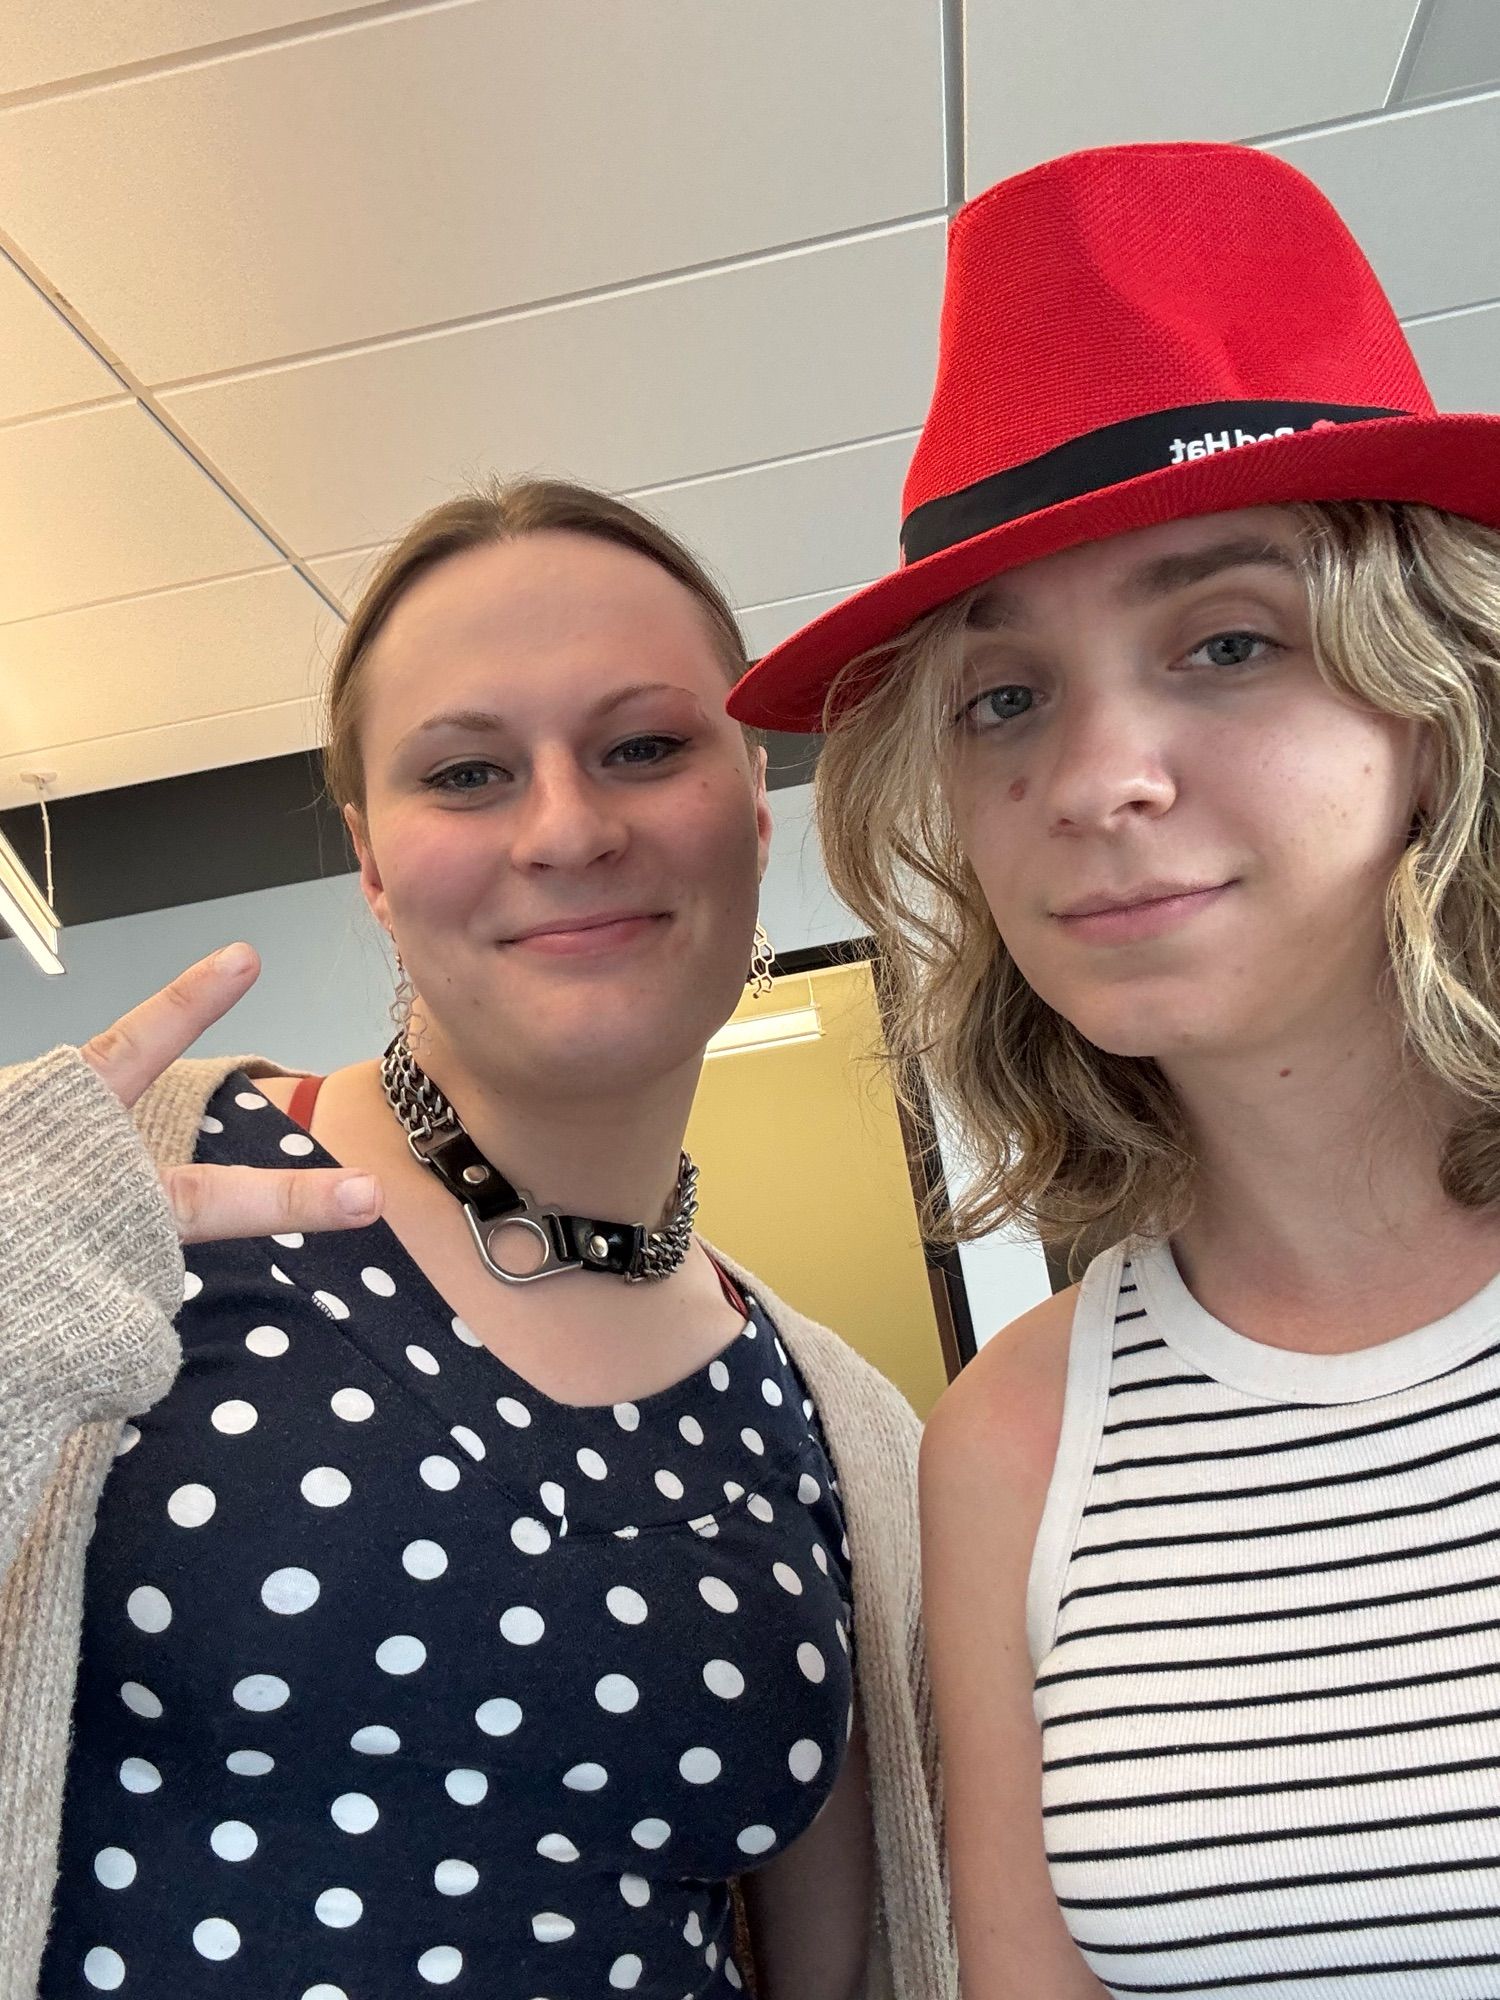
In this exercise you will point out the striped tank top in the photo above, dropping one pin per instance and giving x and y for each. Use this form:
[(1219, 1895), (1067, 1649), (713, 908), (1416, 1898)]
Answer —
[(1264, 1612)]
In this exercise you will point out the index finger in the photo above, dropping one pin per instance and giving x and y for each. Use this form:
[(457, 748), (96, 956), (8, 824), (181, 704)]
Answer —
[(131, 1055)]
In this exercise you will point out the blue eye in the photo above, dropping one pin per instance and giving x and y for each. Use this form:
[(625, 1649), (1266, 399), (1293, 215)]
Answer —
[(451, 779), (997, 705), (643, 751), (1231, 649)]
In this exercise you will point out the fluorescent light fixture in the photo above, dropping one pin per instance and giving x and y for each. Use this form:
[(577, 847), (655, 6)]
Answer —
[(767, 1031), (25, 911)]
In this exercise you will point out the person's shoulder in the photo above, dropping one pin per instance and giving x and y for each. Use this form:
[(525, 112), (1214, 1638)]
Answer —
[(997, 1426)]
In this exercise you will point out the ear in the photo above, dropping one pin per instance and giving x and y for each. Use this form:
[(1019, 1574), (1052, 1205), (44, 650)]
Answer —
[(764, 824), (371, 886)]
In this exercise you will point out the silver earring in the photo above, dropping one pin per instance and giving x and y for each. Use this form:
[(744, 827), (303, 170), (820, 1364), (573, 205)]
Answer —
[(762, 957), (405, 994)]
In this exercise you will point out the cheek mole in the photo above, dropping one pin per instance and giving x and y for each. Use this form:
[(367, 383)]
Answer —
[(1018, 790)]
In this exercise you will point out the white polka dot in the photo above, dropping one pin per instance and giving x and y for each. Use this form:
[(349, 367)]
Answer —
[(268, 1342), (650, 1833), (636, 1890), (811, 1661), (216, 1938), (297, 1144), (627, 1416), (617, 1694), (804, 1760), (325, 1992), (498, 1717), (591, 1465), (521, 1625), (556, 1847), (249, 1100), (354, 1812), (586, 1778), (338, 1908), (400, 1654), (705, 1525), (553, 1498), (130, 1437), (700, 1766), (732, 1974), (718, 1374), (141, 1701), (114, 1867), (717, 1595), (530, 1537), (104, 1969), (233, 1840), (192, 1285), (442, 1965), (755, 1839), (692, 1930), (326, 1486), (353, 1405), (332, 1304), (249, 1763), (289, 1591), (424, 1560), (467, 1440), (440, 1473), (464, 1332), (261, 1692), (455, 1878), (235, 1417), (733, 1491), (208, 1123), (820, 1557), (669, 1485), (625, 1972), (548, 1927), (293, 1240), (690, 1429), (381, 1283), (788, 1578), (626, 1534), (724, 1679), (752, 1440), (760, 1507), (375, 1740), (772, 1393), (808, 1489), (625, 1604), (148, 1608), (279, 1275), (466, 1788), (422, 1359), (515, 1414)]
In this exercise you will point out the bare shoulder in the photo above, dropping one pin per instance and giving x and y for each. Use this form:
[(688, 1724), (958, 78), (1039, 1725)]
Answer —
[(997, 1426), (278, 1090)]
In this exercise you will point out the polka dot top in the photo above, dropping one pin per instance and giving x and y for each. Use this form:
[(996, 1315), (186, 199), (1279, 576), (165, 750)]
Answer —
[(397, 1675)]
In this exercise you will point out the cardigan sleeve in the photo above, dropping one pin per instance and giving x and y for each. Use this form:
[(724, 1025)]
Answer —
[(91, 1273)]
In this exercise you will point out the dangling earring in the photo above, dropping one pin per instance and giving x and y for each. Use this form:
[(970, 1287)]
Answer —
[(762, 958), (405, 994)]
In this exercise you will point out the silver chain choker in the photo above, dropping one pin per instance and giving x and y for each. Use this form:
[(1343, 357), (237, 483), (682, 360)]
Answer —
[(503, 1217)]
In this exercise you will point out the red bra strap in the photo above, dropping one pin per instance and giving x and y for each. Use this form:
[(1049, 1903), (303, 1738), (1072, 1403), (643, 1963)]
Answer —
[(731, 1290), (304, 1097)]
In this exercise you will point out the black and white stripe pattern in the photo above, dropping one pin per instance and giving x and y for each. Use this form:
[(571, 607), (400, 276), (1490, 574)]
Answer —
[(1267, 1634)]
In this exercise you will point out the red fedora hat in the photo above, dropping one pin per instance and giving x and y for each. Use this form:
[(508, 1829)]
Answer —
[(1134, 335)]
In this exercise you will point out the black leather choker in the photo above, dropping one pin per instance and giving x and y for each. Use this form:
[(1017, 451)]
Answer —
[(495, 1206)]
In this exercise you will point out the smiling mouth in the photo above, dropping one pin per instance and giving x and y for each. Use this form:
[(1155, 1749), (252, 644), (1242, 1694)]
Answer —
[(586, 934), (1146, 916)]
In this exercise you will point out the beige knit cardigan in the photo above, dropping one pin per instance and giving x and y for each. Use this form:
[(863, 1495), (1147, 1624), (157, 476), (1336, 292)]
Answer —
[(90, 1278)]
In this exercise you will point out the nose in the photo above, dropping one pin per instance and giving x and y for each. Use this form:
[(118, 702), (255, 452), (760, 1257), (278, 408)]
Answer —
[(565, 818), (1110, 763)]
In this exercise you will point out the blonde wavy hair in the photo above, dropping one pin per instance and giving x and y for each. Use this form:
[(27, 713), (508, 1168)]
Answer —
[(1087, 1147)]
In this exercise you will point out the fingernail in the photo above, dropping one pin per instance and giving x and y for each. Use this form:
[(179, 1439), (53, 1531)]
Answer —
[(358, 1195), (234, 958)]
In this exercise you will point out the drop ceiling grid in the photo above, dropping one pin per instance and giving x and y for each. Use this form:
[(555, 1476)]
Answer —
[(804, 369)]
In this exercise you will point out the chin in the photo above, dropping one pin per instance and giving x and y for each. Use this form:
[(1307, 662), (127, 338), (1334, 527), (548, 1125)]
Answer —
[(1155, 1032)]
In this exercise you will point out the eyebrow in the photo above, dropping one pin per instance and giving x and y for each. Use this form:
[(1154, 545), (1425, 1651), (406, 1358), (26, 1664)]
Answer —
[(997, 609), (485, 721)]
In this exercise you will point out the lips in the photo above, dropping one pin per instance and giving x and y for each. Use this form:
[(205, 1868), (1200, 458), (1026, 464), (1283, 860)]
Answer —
[(1151, 911), (1133, 899), (571, 926)]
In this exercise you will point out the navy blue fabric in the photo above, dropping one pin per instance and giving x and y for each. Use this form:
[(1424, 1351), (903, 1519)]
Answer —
[(398, 1676)]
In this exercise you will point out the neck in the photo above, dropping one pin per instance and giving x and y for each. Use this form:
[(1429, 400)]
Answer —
[(1318, 1183), (611, 1155)]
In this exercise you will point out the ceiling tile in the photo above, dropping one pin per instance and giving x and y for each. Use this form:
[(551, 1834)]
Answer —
[(440, 165), (1164, 69), (1459, 50), (47, 366), (48, 41), (791, 529), (1460, 357), (100, 763), (346, 574), (1420, 190), (660, 383), (104, 503), (768, 624)]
